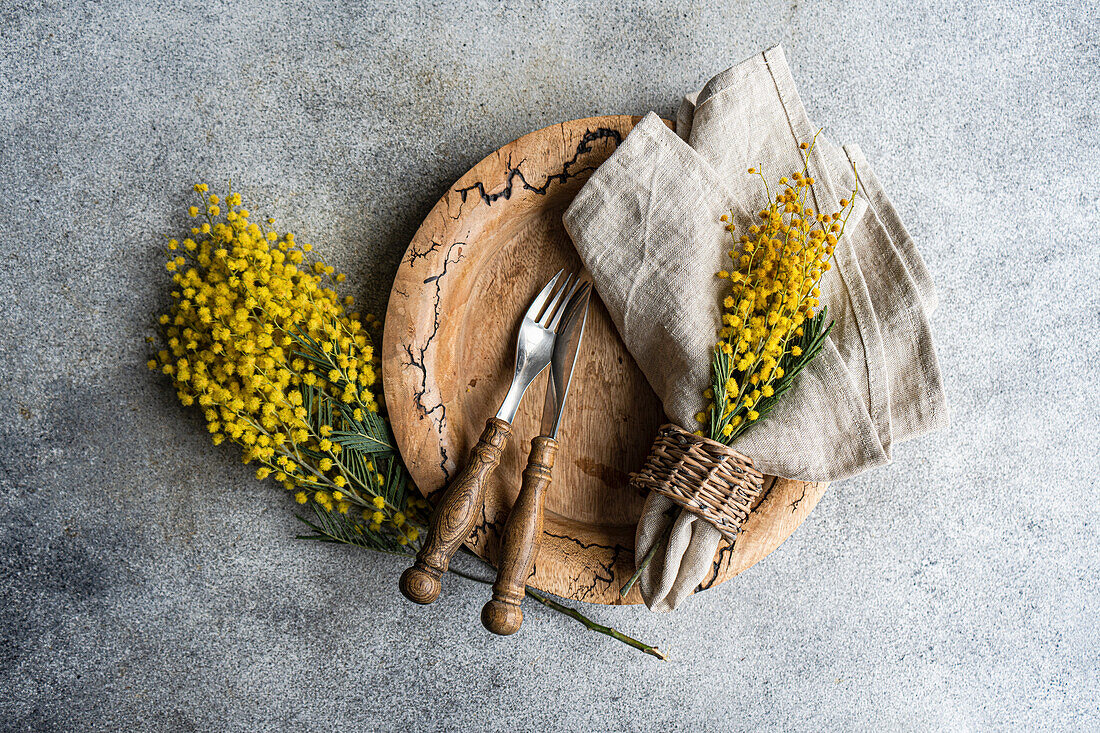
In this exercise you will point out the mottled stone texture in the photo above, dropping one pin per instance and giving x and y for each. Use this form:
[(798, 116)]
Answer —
[(148, 582)]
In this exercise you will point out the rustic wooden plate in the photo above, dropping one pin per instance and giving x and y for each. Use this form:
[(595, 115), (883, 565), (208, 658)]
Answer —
[(468, 275)]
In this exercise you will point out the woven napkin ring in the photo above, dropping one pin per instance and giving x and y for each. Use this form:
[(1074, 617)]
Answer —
[(703, 476)]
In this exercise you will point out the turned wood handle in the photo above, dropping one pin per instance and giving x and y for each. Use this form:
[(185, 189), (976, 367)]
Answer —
[(455, 515), (519, 545)]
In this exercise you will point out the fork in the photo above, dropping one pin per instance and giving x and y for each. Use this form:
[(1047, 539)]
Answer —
[(455, 515)]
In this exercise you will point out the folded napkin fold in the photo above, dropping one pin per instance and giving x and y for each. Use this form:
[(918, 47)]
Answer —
[(647, 226)]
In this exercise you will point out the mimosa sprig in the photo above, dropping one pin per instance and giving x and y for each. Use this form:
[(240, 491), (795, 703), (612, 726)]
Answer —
[(770, 328)]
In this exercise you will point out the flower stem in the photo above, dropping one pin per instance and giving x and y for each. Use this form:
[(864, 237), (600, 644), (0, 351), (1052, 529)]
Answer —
[(641, 569), (574, 614), (670, 513), (593, 626)]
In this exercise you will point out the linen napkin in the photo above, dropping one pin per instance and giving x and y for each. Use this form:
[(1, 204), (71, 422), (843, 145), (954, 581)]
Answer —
[(647, 226)]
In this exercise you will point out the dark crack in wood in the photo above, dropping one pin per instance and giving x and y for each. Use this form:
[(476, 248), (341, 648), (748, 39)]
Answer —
[(794, 504), (420, 254), (485, 531), (720, 559), (516, 173), (417, 359), (608, 568)]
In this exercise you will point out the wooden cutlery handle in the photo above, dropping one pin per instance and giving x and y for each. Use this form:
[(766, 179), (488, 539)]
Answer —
[(455, 515), (519, 544)]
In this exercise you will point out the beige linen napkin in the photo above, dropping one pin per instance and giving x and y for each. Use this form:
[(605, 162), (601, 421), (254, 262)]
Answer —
[(647, 225)]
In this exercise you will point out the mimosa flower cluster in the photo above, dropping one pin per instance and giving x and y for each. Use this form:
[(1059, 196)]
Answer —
[(259, 340), (770, 329)]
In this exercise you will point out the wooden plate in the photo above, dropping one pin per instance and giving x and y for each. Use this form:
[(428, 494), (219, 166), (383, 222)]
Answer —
[(483, 252)]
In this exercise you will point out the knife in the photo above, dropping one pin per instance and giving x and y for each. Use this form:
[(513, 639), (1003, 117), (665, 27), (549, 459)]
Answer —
[(522, 535)]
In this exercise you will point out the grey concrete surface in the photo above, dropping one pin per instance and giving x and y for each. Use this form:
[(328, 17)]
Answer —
[(147, 582)]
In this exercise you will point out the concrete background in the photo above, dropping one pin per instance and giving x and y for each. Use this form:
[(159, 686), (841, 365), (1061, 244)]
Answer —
[(147, 582)]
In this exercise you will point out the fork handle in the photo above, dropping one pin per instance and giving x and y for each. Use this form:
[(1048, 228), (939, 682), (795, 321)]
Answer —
[(519, 545), (455, 515)]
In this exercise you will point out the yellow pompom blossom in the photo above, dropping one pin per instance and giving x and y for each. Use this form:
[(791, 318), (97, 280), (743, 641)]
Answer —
[(259, 341), (770, 327)]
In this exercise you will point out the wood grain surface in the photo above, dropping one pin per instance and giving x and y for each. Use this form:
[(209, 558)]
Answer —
[(522, 538), (456, 513), (471, 270)]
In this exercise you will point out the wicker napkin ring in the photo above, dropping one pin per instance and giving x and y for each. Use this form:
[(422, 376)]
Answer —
[(703, 476)]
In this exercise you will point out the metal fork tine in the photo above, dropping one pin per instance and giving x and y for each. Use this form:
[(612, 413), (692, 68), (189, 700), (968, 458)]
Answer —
[(540, 299), (547, 314), (574, 296)]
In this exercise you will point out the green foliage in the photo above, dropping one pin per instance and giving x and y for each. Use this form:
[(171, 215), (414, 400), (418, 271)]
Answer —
[(814, 333), (366, 458)]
